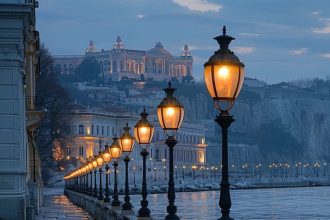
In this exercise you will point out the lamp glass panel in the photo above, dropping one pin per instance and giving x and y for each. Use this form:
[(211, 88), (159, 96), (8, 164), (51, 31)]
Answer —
[(170, 117), (99, 161), (226, 80), (115, 152), (94, 163), (241, 80), (208, 80), (106, 156), (127, 144), (90, 165), (143, 134)]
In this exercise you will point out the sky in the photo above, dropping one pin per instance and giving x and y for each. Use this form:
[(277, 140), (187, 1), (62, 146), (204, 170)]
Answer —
[(277, 40)]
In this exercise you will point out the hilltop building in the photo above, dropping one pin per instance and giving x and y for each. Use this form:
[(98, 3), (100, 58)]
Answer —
[(119, 62)]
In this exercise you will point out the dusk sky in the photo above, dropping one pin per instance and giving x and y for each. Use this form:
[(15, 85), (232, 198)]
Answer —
[(277, 40)]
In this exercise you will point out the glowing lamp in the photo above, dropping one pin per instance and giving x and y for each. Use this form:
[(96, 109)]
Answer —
[(115, 149), (106, 156), (126, 140), (170, 112), (224, 73), (99, 160), (94, 163), (143, 130)]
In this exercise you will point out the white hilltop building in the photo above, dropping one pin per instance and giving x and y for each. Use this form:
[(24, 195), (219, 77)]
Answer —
[(117, 63)]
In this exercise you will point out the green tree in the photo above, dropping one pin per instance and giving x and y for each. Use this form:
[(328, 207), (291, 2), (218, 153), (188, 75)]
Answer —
[(89, 70)]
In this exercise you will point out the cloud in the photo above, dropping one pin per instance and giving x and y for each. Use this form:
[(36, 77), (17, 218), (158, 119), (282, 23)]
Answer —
[(326, 55), (249, 34), (196, 47), (315, 13), (323, 30), (299, 51), (244, 50), (199, 5)]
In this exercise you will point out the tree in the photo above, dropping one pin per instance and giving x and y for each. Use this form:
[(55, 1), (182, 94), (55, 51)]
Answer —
[(88, 71), (54, 99)]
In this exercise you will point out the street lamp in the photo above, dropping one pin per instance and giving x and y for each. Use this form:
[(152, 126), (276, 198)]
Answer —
[(107, 158), (115, 151), (90, 168), (170, 115), (127, 143), (94, 163), (224, 76), (99, 161), (143, 132)]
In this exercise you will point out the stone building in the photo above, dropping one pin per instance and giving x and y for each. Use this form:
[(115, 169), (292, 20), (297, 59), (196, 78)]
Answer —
[(119, 62), (90, 129), (20, 182)]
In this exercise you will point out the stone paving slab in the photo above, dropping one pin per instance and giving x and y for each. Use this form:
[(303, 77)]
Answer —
[(59, 207)]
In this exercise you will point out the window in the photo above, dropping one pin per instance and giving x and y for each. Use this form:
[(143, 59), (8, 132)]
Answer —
[(92, 129), (102, 130), (113, 131), (97, 129), (81, 151), (108, 131), (157, 154), (81, 129), (68, 151)]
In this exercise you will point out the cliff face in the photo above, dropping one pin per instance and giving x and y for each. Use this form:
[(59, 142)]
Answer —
[(284, 121)]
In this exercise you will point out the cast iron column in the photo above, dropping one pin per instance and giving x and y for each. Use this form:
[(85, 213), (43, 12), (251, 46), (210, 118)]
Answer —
[(115, 201), (87, 184), (127, 205), (144, 211), (91, 186), (95, 184), (225, 120), (106, 198), (100, 185), (171, 208)]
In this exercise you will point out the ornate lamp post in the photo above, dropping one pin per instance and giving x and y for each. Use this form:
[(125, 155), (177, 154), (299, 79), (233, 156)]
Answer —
[(94, 163), (170, 115), (106, 158), (86, 169), (224, 76), (127, 143), (143, 132), (99, 161), (90, 167), (115, 151)]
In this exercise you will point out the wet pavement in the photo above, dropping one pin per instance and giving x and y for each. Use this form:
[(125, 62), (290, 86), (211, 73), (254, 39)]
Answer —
[(57, 206)]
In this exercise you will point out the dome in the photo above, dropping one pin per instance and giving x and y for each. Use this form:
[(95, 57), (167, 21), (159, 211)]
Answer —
[(158, 51)]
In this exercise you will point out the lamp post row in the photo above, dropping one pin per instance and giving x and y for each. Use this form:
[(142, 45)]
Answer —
[(224, 76)]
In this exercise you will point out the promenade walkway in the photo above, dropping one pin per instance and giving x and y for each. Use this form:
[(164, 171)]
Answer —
[(57, 206)]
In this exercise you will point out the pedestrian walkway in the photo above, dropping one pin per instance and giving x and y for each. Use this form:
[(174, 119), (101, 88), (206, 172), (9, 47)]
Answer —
[(57, 206)]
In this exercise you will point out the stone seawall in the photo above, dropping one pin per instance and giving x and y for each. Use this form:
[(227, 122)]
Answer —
[(98, 209)]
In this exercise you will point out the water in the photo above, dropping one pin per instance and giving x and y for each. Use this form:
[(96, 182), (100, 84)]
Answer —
[(302, 203)]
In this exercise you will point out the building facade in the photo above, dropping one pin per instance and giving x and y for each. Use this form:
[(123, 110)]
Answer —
[(91, 129), (119, 62), (20, 182)]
